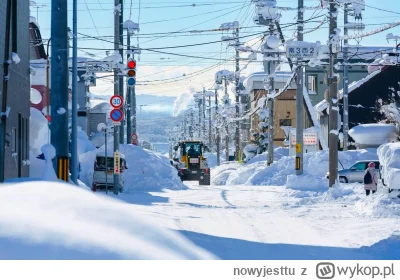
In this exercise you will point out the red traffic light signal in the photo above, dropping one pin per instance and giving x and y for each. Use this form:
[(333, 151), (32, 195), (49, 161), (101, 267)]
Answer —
[(131, 73), (131, 64)]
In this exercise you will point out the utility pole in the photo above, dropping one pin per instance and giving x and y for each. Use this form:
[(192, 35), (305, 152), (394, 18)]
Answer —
[(226, 126), (74, 131), (270, 69), (345, 82), (269, 64), (237, 81), (4, 108), (191, 124), (209, 122), (299, 98), (116, 89), (199, 125), (59, 87), (128, 94), (333, 97), (121, 77), (204, 113), (217, 129)]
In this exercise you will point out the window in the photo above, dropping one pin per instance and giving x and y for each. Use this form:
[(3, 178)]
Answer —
[(312, 82), (360, 166), (285, 122), (193, 148)]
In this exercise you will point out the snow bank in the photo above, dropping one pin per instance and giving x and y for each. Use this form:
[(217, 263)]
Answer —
[(55, 221), (306, 183), (147, 170), (278, 154), (259, 173), (220, 174), (84, 144), (212, 159), (389, 157), (389, 247), (373, 134), (379, 205), (38, 131)]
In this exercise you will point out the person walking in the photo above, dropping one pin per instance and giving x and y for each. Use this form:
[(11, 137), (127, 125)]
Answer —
[(370, 180)]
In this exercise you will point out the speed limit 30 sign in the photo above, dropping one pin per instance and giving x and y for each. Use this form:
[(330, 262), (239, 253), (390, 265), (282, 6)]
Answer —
[(116, 101)]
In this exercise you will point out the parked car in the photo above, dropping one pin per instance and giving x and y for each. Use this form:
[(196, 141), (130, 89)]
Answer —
[(103, 176), (355, 173)]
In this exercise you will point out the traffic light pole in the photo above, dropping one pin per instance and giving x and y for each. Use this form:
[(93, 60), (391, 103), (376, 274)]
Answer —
[(59, 87), (128, 97), (116, 91), (121, 78)]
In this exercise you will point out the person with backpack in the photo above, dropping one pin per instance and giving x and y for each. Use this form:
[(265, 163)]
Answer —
[(370, 180)]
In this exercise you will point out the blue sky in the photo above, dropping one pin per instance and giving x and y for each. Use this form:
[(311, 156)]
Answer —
[(95, 18)]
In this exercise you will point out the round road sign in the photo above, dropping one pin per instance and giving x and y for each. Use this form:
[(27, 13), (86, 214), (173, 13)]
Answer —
[(134, 137), (116, 115), (116, 101)]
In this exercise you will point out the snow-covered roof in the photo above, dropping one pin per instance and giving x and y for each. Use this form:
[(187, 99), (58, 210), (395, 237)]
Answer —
[(366, 52), (255, 81), (323, 105), (99, 106), (38, 73), (373, 134)]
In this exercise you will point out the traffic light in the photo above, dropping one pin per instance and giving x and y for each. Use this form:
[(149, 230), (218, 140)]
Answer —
[(131, 72)]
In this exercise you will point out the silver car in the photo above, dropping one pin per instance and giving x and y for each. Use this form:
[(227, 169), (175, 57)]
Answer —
[(355, 173)]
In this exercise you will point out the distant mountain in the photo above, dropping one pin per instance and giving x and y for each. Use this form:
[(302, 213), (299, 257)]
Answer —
[(154, 117), (154, 106)]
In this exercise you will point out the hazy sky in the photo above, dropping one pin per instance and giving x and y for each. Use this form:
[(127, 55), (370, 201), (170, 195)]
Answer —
[(95, 18)]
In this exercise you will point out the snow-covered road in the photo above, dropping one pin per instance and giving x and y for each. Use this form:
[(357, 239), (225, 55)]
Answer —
[(265, 222)]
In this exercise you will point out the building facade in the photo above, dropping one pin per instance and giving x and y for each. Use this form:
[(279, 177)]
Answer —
[(18, 94)]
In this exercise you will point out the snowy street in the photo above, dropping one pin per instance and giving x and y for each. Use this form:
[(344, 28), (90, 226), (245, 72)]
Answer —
[(250, 222)]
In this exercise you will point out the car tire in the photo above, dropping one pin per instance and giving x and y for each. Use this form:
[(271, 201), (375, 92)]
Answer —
[(343, 179)]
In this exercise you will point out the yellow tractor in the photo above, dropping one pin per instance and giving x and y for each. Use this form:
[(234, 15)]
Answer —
[(193, 165)]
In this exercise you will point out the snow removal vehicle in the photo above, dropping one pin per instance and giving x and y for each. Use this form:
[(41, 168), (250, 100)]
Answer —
[(193, 165)]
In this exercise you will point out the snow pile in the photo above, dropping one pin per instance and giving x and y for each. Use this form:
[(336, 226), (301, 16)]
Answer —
[(259, 173), (212, 159), (220, 174), (373, 134), (56, 221), (379, 205), (279, 152), (147, 170), (49, 153), (38, 131), (389, 157), (84, 144), (306, 183), (389, 247)]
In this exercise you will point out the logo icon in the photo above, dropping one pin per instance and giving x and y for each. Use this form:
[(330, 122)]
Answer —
[(325, 270)]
